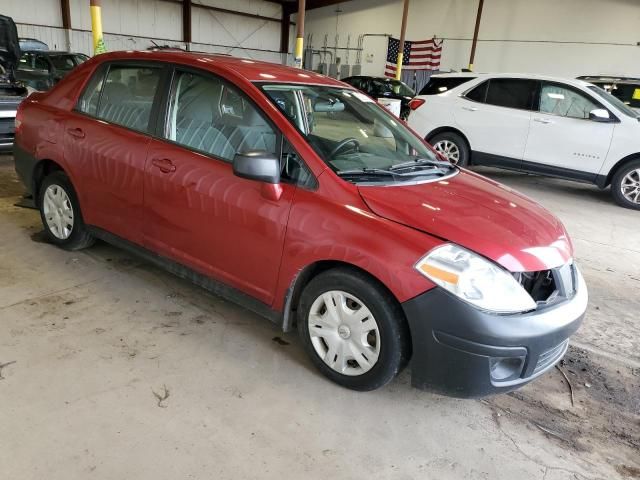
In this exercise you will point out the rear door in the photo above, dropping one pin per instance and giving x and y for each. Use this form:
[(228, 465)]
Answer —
[(495, 116), (197, 211), (105, 145), (562, 136)]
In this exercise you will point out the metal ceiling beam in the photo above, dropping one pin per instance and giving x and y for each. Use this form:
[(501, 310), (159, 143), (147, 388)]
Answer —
[(186, 22), (66, 14), (311, 4)]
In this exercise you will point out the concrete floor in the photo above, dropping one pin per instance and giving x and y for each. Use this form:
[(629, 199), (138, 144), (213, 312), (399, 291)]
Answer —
[(99, 337)]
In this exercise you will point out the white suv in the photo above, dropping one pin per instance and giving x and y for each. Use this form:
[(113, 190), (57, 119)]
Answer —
[(551, 126)]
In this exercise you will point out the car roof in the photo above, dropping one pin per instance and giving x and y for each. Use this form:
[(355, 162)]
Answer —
[(50, 52), (252, 70), (610, 79), (531, 76)]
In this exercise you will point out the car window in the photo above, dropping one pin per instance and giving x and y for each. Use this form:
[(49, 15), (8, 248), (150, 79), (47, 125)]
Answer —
[(347, 129), (127, 96), (479, 93), (619, 104), (511, 93), (41, 63), (88, 102), (629, 93), (566, 102), (62, 62), (438, 85), (32, 61), (208, 115), (294, 170), (356, 82)]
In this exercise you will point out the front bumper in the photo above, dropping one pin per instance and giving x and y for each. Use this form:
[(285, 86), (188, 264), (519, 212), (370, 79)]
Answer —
[(461, 351)]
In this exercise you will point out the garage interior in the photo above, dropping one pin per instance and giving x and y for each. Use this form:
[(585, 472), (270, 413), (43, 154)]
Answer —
[(113, 368)]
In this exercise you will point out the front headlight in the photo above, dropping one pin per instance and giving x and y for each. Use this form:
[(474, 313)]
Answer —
[(475, 280)]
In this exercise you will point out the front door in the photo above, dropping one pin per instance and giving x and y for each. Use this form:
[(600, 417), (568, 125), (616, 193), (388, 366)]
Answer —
[(563, 137), (197, 211), (105, 143)]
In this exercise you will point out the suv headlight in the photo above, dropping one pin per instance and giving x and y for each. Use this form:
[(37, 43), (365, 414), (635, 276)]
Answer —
[(475, 280)]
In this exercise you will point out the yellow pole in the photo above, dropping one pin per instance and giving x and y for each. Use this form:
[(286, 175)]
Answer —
[(96, 26), (300, 34), (403, 30)]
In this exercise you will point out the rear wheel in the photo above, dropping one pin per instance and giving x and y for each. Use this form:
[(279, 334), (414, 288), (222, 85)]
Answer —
[(625, 185), (452, 146), (60, 213), (354, 333)]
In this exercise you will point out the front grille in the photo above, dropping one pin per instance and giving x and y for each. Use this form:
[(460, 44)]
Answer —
[(540, 285), (548, 286), (549, 357)]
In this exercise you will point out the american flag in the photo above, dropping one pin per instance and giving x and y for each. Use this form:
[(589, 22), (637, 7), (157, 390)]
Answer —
[(419, 55)]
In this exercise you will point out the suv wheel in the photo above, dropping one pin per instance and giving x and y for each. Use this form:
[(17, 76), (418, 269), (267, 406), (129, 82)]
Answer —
[(354, 333), (60, 213), (625, 186), (453, 147)]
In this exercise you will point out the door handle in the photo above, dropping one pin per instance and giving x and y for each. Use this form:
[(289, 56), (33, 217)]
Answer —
[(470, 109), (164, 164), (542, 120), (76, 132)]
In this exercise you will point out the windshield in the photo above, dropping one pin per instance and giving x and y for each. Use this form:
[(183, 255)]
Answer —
[(619, 104), (66, 62), (354, 135), (382, 86)]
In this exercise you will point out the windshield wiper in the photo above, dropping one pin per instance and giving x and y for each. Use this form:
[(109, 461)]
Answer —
[(366, 172), (421, 162)]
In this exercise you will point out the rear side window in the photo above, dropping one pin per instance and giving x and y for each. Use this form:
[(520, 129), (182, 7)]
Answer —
[(88, 102), (438, 85), (479, 94), (127, 96), (511, 93)]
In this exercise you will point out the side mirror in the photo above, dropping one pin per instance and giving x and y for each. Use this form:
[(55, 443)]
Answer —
[(599, 115), (257, 165)]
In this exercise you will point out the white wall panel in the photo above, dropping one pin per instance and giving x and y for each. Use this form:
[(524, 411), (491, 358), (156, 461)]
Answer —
[(138, 24), (563, 37), (39, 12)]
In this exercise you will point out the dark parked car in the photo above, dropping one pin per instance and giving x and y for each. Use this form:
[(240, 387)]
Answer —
[(41, 70), (11, 92), (378, 87), (32, 44), (307, 202), (626, 89)]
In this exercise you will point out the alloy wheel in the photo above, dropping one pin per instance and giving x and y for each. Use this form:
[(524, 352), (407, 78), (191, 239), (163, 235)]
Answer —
[(449, 150), (344, 333), (58, 211), (630, 186)]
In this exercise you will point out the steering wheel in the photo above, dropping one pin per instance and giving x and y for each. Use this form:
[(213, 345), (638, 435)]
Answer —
[(343, 144)]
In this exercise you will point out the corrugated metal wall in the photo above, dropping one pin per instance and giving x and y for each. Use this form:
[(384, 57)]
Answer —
[(139, 24)]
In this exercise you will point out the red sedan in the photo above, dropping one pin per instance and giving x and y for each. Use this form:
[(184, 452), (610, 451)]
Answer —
[(300, 198)]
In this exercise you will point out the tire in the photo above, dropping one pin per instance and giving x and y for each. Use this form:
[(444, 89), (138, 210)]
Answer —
[(60, 213), (452, 146), (625, 185), (365, 359)]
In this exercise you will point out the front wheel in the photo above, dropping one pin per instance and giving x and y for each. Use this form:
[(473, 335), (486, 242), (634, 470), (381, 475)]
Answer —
[(453, 147), (625, 185), (353, 331)]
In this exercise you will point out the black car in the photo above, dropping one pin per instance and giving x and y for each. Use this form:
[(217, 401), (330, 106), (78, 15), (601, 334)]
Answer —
[(626, 89), (41, 70), (384, 87), (11, 92)]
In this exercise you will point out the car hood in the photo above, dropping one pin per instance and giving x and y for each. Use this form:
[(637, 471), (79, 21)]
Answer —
[(480, 215), (9, 45)]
